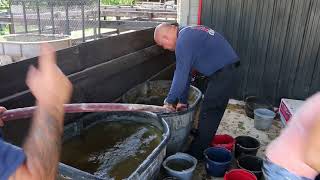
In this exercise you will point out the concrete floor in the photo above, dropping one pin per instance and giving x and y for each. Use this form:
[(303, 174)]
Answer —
[(236, 123)]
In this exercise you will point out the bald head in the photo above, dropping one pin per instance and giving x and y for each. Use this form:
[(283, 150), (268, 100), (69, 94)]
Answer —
[(165, 35)]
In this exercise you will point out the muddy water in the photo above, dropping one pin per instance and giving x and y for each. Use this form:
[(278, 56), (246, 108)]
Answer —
[(151, 100), (111, 149), (179, 164), (153, 94)]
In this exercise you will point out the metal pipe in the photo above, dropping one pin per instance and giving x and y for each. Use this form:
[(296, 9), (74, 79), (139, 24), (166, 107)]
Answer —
[(83, 26), (38, 17), (24, 17), (67, 20), (199, 12), (27, 112), (99, 20), (52, 20), (11, 26)]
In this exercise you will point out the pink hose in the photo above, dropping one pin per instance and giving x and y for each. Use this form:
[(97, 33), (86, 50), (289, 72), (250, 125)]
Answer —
[(27, 112)]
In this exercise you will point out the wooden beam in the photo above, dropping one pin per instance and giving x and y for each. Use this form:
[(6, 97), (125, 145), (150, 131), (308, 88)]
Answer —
[(106, 81), (77, 58)]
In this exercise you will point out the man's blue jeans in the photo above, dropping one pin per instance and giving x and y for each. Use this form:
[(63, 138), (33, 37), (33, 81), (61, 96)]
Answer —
[(272, 171)]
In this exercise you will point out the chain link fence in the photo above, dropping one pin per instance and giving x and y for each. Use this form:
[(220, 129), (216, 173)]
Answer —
[(78, 18)]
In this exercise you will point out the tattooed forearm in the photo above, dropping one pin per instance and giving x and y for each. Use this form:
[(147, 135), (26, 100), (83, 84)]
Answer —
[(42, 147)]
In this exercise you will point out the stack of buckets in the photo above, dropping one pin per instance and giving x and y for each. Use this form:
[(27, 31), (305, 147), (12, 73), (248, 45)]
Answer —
[(219, 158)]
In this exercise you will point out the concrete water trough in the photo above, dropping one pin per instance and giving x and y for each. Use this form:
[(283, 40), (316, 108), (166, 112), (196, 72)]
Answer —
[(15, 47)]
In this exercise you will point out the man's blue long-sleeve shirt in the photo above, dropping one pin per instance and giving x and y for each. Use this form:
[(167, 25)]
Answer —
[(202, 49), (11, 157)]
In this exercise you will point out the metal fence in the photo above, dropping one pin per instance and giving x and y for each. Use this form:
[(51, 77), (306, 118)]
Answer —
[(278, 42), (77, 17)]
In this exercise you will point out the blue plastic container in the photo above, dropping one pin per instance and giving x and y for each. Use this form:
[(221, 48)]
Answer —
[(218, 161)]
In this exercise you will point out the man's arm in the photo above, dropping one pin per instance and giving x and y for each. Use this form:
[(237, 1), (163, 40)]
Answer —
[(184, 96), (42, 146), (312, 152), (184, 61), (2, 109)]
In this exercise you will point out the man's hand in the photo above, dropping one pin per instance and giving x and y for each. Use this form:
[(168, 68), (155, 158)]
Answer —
[(47, 83), (42, 146), (170, 107), (2, 109), (181, 107)]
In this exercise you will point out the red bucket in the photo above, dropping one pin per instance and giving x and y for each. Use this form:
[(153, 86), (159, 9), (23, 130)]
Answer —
[(239, 174), (224, 141)]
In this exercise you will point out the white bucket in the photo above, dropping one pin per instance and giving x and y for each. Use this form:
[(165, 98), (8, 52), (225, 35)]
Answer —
[(263, 118)]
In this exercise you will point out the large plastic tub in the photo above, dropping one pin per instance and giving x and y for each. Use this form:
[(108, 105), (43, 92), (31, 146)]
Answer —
[(180, 123), (148, 169)]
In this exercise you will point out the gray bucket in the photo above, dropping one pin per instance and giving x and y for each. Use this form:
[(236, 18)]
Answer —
[(180, 123), (180, 165), (263, 118)]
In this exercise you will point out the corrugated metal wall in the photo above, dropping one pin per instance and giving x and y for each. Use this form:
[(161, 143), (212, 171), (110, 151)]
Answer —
[(278, 42)]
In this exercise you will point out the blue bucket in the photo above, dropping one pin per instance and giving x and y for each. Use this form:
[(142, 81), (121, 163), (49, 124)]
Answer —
[(218, 161)]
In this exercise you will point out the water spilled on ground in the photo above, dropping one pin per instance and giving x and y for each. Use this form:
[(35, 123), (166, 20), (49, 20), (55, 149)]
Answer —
[(111, 149)]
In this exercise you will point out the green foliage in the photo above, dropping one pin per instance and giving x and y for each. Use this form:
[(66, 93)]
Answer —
[(4, 4), (4, 29), (118, 2)]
